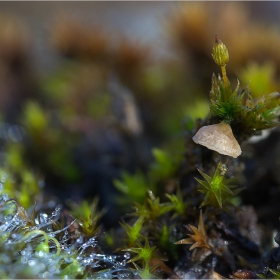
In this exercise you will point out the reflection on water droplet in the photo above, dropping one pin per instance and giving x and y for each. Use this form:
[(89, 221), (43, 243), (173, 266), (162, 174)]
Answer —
[(41, 254), (80, 240), (123, 263), (106, 275), (126, 255), (31, 262)]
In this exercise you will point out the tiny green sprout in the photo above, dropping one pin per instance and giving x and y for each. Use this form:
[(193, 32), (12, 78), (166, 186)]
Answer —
[(144, 253), (179, 205), (164, 238), (199, 238), (133, 186), (87, 216), (133, 232), (147, 255), (146, 272), (163, 167), (216, 188), (152, 208), (164, 235)]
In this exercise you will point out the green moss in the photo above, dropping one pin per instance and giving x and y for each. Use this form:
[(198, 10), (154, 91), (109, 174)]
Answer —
[(240, 109), (217, 189), (50, 243), (134, 232), (88, 217), (144, 254)]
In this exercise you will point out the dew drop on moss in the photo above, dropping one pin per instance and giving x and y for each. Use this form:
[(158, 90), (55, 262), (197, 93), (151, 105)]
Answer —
[(122, 263), (79, 240), (126, 256)]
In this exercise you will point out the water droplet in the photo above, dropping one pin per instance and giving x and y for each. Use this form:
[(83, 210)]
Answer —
[(126, 256), (49, 229), (44, 217), (106, 275), (80, 240), (41, 254), (86, 261), (123, 263), (31, 262)]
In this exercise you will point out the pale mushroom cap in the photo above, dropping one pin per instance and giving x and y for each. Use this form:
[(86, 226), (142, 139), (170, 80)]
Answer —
[(218, 137)]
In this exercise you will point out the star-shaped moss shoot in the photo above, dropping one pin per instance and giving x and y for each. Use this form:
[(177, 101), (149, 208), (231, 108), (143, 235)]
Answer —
[(217, 189), (199, 238), (146, 255)]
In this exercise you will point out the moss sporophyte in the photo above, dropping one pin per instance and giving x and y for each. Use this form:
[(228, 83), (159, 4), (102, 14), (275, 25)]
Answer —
[(220, 53)]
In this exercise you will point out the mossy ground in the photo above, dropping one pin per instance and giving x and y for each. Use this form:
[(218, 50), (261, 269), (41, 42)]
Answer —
[(100, 177)]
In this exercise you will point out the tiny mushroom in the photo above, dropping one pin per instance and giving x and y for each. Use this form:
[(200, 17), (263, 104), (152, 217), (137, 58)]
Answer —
[(218, 137)]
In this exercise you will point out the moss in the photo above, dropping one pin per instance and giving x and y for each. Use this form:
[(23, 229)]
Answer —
[(76, 135)]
